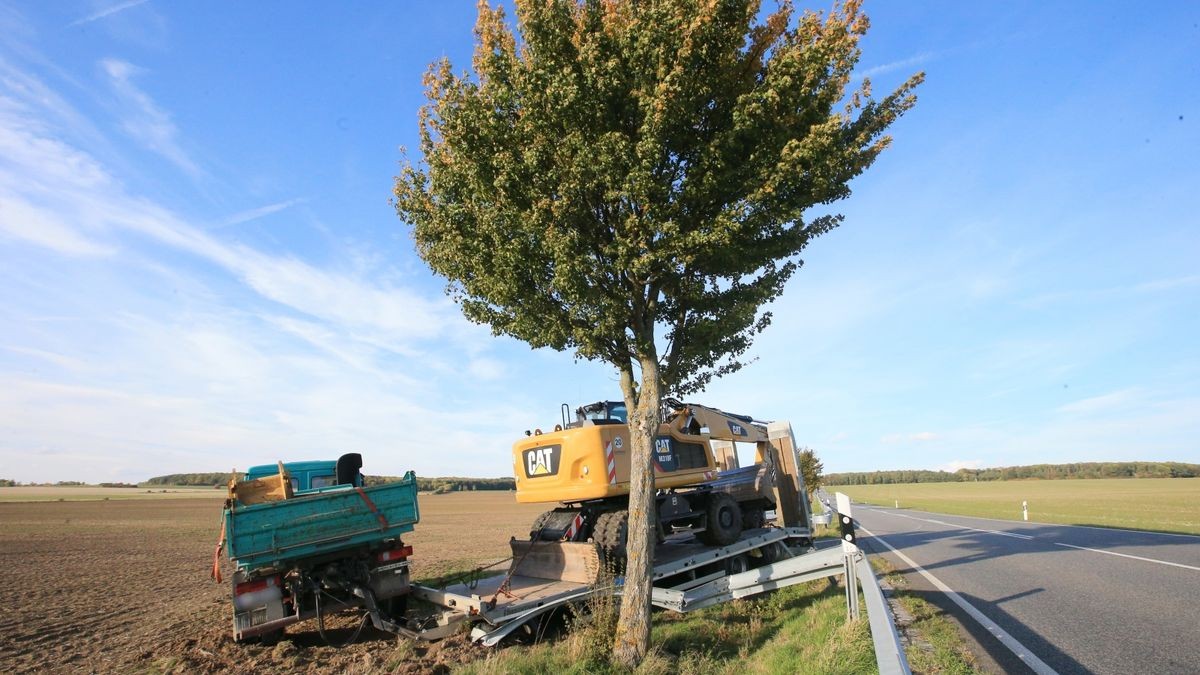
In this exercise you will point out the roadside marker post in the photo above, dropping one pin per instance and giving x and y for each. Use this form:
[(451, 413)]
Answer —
[(1025, 510)]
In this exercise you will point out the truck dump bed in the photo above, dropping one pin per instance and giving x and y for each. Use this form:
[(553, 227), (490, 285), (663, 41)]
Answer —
[(327, 520)]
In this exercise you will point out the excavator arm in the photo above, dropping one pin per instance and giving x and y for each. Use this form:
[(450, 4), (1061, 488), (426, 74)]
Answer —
[(723, 429)]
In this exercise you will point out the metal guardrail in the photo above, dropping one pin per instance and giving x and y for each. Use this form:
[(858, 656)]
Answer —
[(889, 652)]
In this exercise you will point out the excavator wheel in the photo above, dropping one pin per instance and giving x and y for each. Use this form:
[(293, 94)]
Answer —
[(611, 532), (541, 522), (752, 517), (724, 520)]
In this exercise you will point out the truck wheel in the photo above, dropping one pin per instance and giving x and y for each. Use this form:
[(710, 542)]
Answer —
[(611, 532), (724, 520)]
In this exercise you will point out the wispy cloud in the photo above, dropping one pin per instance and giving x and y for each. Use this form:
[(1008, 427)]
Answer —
[(955, 465), (260, 212), (1151, 286), (19, 220), (918, 437), (144, 120), (293, 359), (1116, 400), (894, 65), (107, 11)]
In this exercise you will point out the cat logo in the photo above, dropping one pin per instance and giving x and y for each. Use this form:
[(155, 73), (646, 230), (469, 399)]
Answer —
[(737, 429), (542, 461)]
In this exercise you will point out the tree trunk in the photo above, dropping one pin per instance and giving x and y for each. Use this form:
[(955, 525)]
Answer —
[(633, 627)]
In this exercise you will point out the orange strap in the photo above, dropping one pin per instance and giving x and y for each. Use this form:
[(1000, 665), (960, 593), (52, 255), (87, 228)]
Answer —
[(383, 523), (216, 566)]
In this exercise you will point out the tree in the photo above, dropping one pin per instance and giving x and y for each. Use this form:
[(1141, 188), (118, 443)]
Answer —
[(628, 180), (811, 469)]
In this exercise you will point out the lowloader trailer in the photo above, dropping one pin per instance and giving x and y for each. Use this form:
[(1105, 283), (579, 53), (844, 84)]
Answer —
[(688, 575)]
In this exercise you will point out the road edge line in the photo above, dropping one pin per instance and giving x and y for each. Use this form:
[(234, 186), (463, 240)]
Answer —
[(1019, 650), (1129, 555)]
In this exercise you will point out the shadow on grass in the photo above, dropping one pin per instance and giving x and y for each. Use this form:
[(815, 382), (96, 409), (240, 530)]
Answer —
[(740, 626)]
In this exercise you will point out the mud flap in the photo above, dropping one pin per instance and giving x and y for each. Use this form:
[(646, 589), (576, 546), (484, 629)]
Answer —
[(556, 560)]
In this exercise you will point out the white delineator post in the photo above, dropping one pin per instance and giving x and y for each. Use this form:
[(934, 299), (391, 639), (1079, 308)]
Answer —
[(849, 550), (1025, 510)]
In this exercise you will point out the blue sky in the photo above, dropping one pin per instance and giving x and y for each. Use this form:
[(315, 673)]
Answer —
[(200, 268)]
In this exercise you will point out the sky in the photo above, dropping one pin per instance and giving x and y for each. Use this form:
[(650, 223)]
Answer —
[(200, 269)]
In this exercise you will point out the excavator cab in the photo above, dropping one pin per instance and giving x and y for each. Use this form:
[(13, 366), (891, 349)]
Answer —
[(602, 412)]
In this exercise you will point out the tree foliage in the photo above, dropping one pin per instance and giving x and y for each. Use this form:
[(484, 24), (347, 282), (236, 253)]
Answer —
[(631, 181), (630, 165), (811, 469)]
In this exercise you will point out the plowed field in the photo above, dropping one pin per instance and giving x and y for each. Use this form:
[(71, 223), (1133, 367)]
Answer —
[(123, 586)]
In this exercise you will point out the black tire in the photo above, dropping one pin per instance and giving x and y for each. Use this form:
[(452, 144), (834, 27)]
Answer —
[(753, 517), (737, 564), (724, 520), (542, 521), (772, 553), (611, 533)]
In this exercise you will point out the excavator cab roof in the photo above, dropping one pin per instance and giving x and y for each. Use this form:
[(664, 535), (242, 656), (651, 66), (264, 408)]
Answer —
[(603, 412)]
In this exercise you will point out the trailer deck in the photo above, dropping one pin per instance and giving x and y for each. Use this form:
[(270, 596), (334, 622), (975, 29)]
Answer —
[(687, 575)]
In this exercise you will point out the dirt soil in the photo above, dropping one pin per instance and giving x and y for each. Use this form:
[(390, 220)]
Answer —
[(123, 586)]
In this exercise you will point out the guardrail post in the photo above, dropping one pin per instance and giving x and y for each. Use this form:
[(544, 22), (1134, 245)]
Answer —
[(849, 551), (889, 652)]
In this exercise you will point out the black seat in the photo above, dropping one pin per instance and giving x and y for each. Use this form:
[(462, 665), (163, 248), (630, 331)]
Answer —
[(348, 466)]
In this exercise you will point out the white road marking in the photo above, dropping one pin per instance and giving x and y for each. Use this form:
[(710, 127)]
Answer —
[(1023, 536), (1126, 555), (1027, 657), (964, 527)]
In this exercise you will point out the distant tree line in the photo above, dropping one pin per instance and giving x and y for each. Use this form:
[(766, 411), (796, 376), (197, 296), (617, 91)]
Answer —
[(1034, 471), (4, 482), (450, 484), (437, 485), (206, 479)]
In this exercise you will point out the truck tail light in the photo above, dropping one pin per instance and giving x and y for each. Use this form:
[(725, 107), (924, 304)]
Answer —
[(400, 553), (256, 585)]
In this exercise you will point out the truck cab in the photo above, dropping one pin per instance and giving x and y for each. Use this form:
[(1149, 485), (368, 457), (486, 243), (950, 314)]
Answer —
[(313, 475)]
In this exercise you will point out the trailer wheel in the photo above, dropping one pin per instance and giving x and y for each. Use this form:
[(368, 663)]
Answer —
[(737, 564), (724, 520), (611, 532)]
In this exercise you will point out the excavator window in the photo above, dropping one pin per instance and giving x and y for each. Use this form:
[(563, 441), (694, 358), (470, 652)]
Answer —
[(612, 412)]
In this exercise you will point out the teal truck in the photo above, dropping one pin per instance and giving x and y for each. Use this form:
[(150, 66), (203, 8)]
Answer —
[(309, 539)]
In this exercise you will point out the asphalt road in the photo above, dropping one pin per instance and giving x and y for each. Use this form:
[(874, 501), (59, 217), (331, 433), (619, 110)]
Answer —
[(1079, 599)]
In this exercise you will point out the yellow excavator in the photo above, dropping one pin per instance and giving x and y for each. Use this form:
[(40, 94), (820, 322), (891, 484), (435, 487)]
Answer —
[(584, 466)]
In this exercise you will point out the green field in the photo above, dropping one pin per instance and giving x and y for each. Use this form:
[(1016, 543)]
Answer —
[(1157, 504)]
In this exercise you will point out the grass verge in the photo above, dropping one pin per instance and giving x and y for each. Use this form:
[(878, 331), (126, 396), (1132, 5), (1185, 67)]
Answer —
[(934, 641), (801, 629)]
